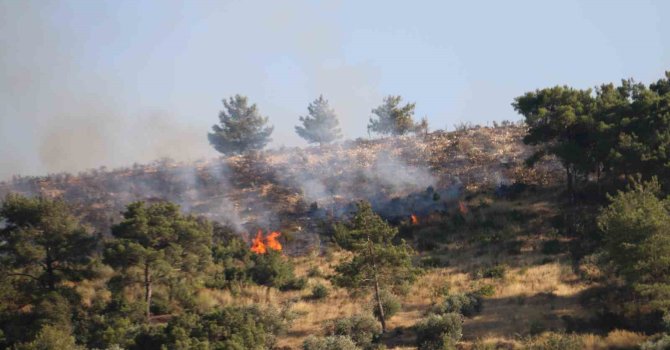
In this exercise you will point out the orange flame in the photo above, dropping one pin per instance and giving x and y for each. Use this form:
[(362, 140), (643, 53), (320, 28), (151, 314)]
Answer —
[(260, 246), (462, 208), (257, 245), (413, 219), (271, 241)]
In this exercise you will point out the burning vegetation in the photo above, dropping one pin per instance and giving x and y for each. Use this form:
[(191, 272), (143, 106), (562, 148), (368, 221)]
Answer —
[(260, 245)]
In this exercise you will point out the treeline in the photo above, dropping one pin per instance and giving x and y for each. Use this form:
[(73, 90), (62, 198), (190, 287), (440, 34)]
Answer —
[(602, 136), (614, 144), (243, 129), (61, 288)]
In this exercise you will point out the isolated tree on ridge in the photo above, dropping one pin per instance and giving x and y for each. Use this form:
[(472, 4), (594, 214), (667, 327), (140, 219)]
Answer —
[(391, 118), (241, 128), (320, 125)]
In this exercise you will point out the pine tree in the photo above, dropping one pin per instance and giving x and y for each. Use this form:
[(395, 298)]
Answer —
[(42, 242), (391, 118), (241, 128), (320, 125), (160, 243), (636, 228), (378, 262)]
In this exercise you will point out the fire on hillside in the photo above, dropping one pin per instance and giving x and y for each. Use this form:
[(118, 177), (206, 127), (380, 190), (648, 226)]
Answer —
[(260, 245)]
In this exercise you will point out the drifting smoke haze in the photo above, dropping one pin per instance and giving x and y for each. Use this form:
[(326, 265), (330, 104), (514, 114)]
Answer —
[(80, 89)]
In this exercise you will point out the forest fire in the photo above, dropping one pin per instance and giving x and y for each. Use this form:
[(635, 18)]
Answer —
[(413, 219), (261, 246)]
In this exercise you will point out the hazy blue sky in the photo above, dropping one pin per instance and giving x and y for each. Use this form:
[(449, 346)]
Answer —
[(91, 83)]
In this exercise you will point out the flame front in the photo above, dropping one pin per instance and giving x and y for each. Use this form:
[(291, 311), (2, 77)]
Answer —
[(414, 220), (257, 245), (261, 246), (271, 241)]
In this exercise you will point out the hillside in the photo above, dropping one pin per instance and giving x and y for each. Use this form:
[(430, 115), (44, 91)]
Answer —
[(480, 220), (276, 189)]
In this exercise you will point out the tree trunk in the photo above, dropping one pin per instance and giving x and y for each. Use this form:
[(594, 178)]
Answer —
[(147, 289), (51, 279), (380, 306)]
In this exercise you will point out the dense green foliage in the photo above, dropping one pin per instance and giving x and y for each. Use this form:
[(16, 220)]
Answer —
[(43, 243), (604, 135), (636, 228), (156, 244), (320, 125), (362, 329), (241, 128), (439, 332)]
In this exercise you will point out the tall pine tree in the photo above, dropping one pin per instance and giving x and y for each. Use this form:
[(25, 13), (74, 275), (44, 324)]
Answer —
[(320, 125), (241, 128)]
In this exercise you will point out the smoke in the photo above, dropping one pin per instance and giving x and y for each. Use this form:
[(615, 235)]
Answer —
[(79, 90), (59, 114)]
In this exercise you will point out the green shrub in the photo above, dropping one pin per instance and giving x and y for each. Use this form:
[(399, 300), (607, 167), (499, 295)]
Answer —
[(657, 343), (362, 329), (319, 291), (294, 284), (468, 304), (335, 342), (314, 272), (487, 290), (274, 270), (228, 328), (390, 304), (497, 271), (556, 341), (439, 332)]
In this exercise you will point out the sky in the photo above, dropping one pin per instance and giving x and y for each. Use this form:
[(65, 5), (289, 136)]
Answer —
[(85, 84)]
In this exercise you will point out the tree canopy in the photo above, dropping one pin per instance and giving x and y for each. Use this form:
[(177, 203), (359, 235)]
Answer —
[(390, 118), (636, 228), (159, 244), (378, 261), (606, 134), (320, 125), (241, 128), (42, 242)]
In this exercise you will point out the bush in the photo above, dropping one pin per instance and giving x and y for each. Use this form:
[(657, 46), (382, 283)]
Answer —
[(273, 270), (556, 341), (319, 291), (497, 271), (336, 342), (314, 271), (468, 304), (657, 343), (487, 290), (439, 332), (390, 304), (362, 329), (228, 328)]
